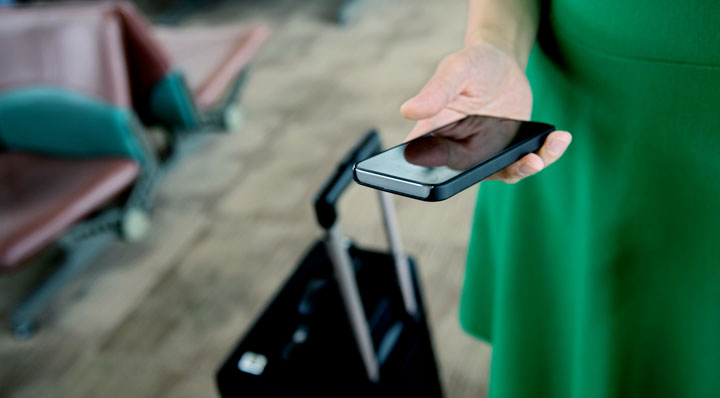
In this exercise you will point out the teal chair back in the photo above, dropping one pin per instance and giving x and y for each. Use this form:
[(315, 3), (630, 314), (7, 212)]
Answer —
[(58, 122), (171, 103)]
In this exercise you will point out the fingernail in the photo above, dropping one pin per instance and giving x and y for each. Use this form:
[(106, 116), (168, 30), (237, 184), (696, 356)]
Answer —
[(557, 145), (527, 169)]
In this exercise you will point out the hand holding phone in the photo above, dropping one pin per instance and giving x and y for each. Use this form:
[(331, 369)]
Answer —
[(452, 158), (485, 79)]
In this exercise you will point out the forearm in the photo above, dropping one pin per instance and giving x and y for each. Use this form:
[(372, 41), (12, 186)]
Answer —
[(508, 24)]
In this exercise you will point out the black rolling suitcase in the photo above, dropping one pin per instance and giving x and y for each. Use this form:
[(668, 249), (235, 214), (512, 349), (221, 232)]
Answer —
[(349, 322)]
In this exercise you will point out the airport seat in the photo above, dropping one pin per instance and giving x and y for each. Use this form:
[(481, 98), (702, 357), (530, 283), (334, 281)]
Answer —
[(76, 46), (214, 61), (76, 166), (43, 196), (188, 78), (182, 79), (75, 174)]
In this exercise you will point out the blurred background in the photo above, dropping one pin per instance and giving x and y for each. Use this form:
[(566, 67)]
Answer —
[(218, 213)]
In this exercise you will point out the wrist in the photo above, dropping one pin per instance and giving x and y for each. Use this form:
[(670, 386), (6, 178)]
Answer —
[(510, 45), (509, 25)]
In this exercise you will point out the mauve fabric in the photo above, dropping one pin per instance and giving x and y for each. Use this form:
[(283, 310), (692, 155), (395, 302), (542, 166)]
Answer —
[(40, 197)]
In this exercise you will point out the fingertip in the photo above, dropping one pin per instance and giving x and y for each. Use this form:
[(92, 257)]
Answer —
[(558, 142), (424, 105), (535, 160), (417, 110), (562, 135), (525, 167), (407, 109), (531, 164)]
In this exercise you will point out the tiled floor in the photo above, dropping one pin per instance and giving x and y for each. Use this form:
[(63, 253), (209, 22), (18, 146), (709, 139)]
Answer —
[(157, 318)]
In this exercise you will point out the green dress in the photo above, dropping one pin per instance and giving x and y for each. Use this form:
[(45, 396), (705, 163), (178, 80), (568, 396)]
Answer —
[(600, 276)]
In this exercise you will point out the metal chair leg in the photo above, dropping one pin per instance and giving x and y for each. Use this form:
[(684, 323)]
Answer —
[(227, 116), (344, 11), (23, 320)]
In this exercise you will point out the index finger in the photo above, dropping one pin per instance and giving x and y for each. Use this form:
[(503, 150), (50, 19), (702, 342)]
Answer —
[(422, 127), (445, 84)]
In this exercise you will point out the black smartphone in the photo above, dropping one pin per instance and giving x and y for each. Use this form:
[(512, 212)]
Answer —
[(452, 158)]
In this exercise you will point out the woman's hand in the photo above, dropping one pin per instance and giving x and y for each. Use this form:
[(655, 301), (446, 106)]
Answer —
[(482, 79)]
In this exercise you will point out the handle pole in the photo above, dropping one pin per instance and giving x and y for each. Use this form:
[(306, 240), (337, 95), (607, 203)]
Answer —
[(345, 274), (327, 197), (402, 267)]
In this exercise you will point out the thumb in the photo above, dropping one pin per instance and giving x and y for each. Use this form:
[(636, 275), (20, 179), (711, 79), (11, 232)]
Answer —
[(447, 82)]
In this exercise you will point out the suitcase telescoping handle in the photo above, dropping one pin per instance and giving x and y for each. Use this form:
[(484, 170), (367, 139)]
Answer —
[(326, 211), (327, 197)]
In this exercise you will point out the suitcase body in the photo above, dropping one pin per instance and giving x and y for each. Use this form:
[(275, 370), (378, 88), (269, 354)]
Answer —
[(311, 341)]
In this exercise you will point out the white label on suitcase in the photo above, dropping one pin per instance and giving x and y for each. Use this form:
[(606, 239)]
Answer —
[(252, 363)]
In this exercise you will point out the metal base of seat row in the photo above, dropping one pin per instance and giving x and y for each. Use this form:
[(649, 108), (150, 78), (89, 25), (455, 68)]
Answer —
[(24, 319), (81, 244), (345, 11), (227, 115)]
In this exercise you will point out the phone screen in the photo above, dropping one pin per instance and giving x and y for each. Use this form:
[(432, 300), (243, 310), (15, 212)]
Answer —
[(443, 154)]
